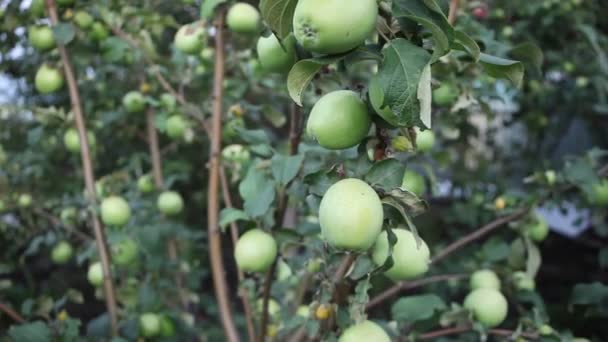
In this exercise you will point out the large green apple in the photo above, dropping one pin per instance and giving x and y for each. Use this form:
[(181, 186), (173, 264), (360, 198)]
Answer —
[(523, 281), (351, 215), (41, 37), (83, 19), (243, 18), (25, 200), (339, 120), (189, 38), (425, 140), (145, 184), (149, 324), (537, 229), (600, 193), (365, 331), (62, 252), (176, 126), (125, 251), (413, 182), (134, 102), (115, 211), (489, 306), (48, 79), (170, 203), (445, 95), (95, 274), (334, 26), (71, 140), (255, 251), (276, 56), (484, 279), (409, 260)]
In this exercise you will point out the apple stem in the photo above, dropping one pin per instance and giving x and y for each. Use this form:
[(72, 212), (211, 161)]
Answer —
[(89, 177)]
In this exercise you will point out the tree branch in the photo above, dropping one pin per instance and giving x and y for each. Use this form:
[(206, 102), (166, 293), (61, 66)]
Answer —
[(89, 178), (11, 313), (454, 4), (215, 237)]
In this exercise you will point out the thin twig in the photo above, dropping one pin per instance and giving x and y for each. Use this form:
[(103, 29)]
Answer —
[(215, 236), (454, 4), (58, 223), (89, 177), (266, 301), (11, 313)]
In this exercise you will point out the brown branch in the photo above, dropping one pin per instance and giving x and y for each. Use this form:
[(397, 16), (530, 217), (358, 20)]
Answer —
[(409, 285), (454, 4), (215, 236), (11, 313), (57, 222), (459, 330), (266, 300), (157, 172), (89, 177)]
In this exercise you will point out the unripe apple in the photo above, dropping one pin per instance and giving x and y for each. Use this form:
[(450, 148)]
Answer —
[(339, 120), (276, 56), (303, 311), (545, 330), (365, 331), (145, 184), (149, 324), (600, 193), (582, 82), (273, 307), (489, 306), (207, 54), (189, 38), (425, 140), (71, 140), (168, 102), (170, 203), (538, 229), (99, 32), (334, 26), (134, 102), (62, 252), (95, 274), (83, 19), (41, 37), (484, 279), (500, 203), (48, 79), (314, 265), (235, 154), (409, 260), (523, 281), (68, 215), (550, 177), (231, 129), (243, 18), (37, 8), (351, 215), (414, 183), (25, 200), (176, 126), (115, 211), (125, 251), (507, 31), (167, 327), (445, 95), (255, 251)]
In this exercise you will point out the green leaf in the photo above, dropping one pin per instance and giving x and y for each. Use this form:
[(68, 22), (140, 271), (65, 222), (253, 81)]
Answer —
[(208, 6), (319, 182), (114, 49), (99, 326), (229, 215), (31, 332), (386, 174), (302, 73), (399, 78), (278, 14), (284, 169), (416, 308), (64, 33), (468, 44), (528, 53), (586, 294), (405, 200), (253, 137), (495, 250), (503, 68), (258, 192)]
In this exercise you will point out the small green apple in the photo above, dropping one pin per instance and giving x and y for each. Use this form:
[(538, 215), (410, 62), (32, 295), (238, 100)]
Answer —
[(523, 281), (168, 102), (41, 37), (177, 126), (68, 215), (83, 19), (145, 184), (365, 331), (445, 95), (273, 307), (243, 18), (409, 260), (167, 327), (484, 279), (303, 311), (414, 183), (115, 211), (48, 79), (425, 140), (125, 251), (546, 330), (62, 252), (600, 193), (25, 200), (134, 102), (99, 32), (189, 38), (489, 306), (235, 154), (150, 324), (170, 203), (537, 229), (95, 274), (255, 251), (71, 140)]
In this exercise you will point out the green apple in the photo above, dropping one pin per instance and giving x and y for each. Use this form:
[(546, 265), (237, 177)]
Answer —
[(364, 331), (170, 203), (351, 215), (62, 252), (339, 120), (303, 311), (150, 324), (168, 102), (484, 279), (95, 274), (546, 330), (231, 129), (276, 56), (115, 211), (243, 18), (414, 183), (600, 193), (37, 8), (273, 307), (207, 54), (255, 251), (99, 32), (507, 31), (581, 82), (537, 229), (425, 140), (134, 102), (83, 19), (145, 184), (125, 251), (550, 177), (334, 26), (445, 95), (235, 153), (48, 79), (177, 126), (489, 306), (71, 140), (25, 200), (68, 215), (409, 260), (314, 265), (189, 38), (41, 37), (167, 327), (523, 281)]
